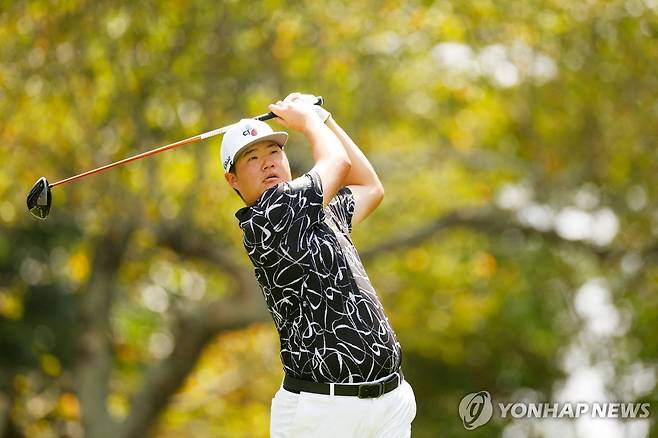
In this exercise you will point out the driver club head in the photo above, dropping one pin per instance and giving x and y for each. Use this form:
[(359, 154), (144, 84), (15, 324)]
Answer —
[(39, 199)]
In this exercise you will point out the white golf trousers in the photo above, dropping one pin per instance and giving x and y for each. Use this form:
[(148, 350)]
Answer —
[(310, 415)]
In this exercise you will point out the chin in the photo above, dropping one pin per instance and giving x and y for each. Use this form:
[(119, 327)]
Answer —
[(272, 183)]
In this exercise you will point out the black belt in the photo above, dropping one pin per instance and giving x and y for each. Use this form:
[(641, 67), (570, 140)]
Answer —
[(362, 390)]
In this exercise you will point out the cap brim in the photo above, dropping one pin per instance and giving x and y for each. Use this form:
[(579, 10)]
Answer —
[(279, 138)]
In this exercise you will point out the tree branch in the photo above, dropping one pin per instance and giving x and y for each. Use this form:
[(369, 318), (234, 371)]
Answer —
[(194, 329), (192, 334), (94, 346), (486, 219), (195, 244)]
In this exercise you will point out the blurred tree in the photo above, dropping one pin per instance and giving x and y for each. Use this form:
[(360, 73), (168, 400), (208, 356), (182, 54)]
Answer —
[(516, 142)]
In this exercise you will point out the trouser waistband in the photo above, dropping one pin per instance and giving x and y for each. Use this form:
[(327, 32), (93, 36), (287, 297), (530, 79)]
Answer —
[(361, 390)]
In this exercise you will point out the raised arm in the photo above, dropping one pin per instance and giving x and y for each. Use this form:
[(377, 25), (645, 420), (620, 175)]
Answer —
[(332, 162), (361, 179)]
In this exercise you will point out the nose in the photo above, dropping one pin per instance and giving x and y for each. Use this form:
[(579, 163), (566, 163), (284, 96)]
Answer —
[(267, 163)]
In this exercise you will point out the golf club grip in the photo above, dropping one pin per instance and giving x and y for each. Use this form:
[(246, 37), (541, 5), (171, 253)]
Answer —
[(271, 115)]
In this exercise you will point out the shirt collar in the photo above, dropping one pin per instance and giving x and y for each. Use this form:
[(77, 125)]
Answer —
[(243, 213)]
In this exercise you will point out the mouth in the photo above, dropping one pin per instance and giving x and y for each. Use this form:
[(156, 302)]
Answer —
[(270, 178)]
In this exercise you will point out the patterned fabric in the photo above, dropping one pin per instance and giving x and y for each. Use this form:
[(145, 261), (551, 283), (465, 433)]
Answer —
[(330, 321)]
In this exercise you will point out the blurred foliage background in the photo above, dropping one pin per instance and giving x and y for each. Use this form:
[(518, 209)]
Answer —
[(516, 249)]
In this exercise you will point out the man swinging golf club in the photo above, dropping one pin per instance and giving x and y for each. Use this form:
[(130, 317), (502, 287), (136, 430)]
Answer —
[(340, 356)]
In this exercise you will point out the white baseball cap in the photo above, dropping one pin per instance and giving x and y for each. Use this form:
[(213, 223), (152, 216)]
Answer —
[(245, 133)]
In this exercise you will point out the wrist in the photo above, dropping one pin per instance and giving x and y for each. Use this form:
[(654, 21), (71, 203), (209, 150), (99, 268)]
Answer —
[(312, 125), (322, 113)]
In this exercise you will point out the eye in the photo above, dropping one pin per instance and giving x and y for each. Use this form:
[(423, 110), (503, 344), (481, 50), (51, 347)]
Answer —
[(253, 157)]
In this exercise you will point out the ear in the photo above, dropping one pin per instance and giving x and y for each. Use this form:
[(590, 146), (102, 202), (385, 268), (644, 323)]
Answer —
[(232, 179)]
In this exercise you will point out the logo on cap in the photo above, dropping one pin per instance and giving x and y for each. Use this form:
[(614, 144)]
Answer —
[(227, 162), (249, 130)]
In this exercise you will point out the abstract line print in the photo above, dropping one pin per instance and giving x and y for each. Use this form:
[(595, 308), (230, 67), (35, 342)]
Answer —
[(331, 324)]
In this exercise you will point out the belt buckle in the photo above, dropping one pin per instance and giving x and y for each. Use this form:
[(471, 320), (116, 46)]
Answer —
[(371, 390)]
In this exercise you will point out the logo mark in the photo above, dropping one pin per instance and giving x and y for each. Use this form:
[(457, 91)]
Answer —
[(250, 131), (475, 409), (227, 162)]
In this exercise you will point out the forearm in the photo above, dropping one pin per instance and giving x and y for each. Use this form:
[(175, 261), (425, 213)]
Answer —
[(325, 144), (332, 163), (361, 173)]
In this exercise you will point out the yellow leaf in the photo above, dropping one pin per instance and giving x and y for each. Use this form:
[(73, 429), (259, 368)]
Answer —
[(78, 265), (68, 406), (484, 265), (50, 365), (11, 307)]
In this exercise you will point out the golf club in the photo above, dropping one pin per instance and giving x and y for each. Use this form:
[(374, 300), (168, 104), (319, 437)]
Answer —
[(39, 199)]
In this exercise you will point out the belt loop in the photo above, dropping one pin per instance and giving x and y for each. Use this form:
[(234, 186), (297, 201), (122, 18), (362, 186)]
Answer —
[(331, 389)]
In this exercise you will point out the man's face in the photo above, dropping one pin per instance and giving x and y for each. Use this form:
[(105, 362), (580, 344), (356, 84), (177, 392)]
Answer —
[(260, 167)]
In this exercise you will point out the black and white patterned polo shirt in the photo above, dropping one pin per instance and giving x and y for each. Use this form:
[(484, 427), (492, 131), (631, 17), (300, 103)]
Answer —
[(330, 321)]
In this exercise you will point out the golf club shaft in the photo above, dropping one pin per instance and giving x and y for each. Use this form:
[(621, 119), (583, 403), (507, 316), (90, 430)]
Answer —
[(138, 156), (196, 138)]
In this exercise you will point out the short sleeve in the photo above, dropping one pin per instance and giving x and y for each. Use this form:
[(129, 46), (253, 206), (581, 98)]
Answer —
[(293, 206), (342, 207)]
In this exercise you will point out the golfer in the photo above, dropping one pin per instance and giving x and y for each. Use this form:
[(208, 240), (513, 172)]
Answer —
[(340, 356)]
